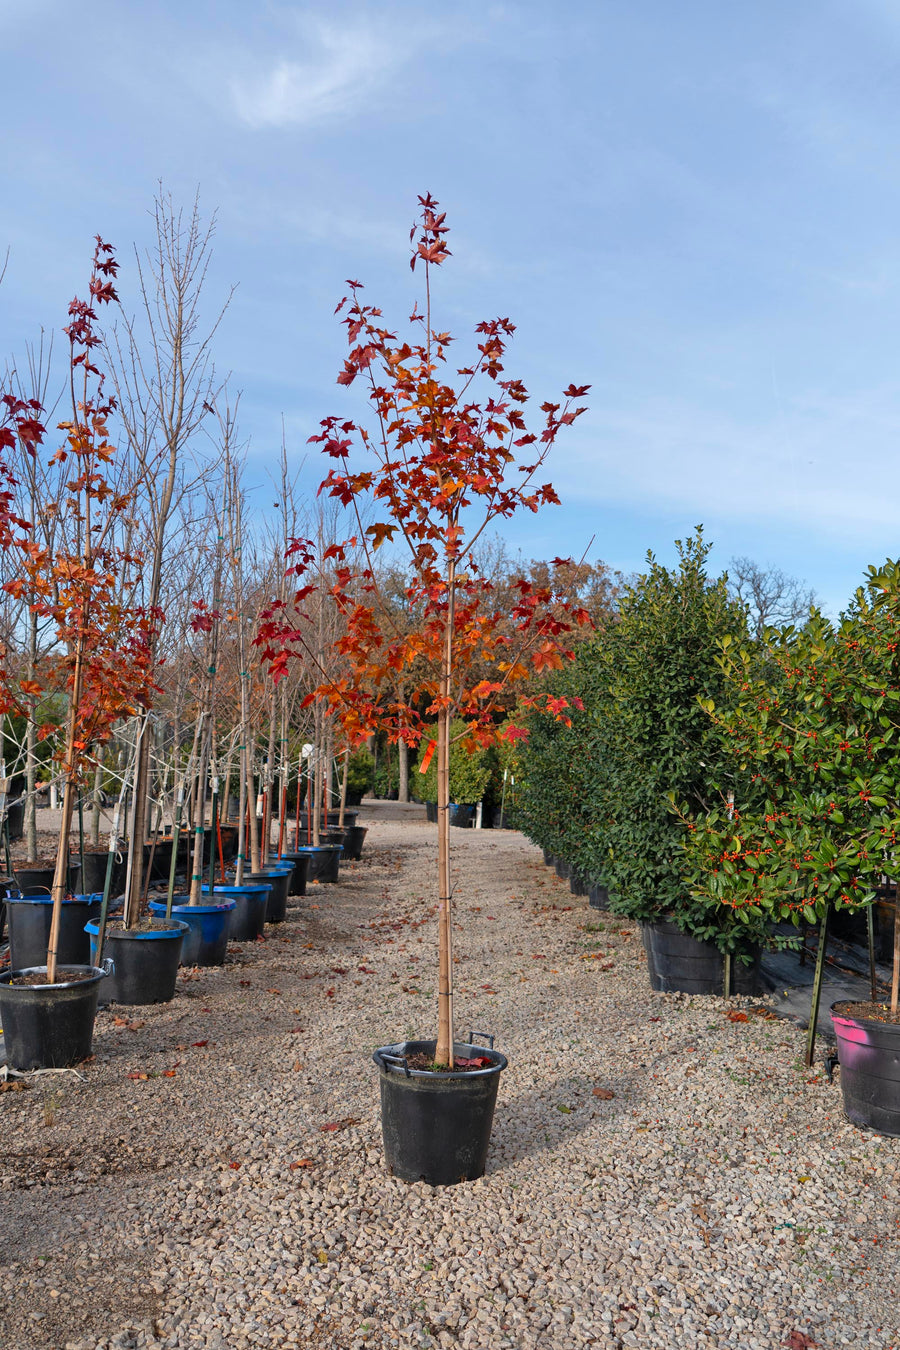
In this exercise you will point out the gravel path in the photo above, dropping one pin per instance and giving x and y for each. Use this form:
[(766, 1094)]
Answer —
[(711, 1195)]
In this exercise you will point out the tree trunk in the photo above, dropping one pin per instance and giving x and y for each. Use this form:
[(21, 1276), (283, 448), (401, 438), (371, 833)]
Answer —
[(402, 771), (443, 1054)]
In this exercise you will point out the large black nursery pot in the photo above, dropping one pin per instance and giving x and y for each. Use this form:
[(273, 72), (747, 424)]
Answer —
[(248, 918), (146, 961), (29, 918), (678, 963), (32, 880), (868, 1052), (298, 876), (436, 1127), (278, 879), (431, 812), (96, 862), (598, 896), (462, 815), (324, 861), (50, 1026), (354, 838)]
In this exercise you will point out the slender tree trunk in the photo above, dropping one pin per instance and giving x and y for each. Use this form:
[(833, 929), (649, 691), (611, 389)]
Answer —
[(443, 1054), (60, 875), (95, 805), (402, 771)]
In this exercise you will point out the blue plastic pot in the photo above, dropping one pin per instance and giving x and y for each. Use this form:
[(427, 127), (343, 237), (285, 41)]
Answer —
[(29, 918), (146, 961), (206, 940), (249, 917)]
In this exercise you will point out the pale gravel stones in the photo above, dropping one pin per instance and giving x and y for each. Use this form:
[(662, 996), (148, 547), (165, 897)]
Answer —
[(719, 1199)]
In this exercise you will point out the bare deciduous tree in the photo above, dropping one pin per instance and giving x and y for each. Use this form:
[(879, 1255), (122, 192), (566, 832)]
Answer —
[(769, 595)]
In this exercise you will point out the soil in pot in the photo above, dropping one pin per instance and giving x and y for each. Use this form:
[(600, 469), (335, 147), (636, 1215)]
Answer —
[(37, 874), (868, 1044)]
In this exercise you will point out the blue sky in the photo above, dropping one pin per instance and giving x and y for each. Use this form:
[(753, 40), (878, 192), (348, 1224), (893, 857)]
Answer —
[(693, 207)]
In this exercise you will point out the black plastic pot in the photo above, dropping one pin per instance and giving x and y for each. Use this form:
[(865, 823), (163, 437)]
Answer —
[(678, 963), (50, 1026), (32, 880), (462, 815), (549, 859), (324, 861), (297, 884), (431, 812), (95, 864), (869, 1056), (248, 918), (146, 961), (577, 884), (15, 819), (278, 880), (562, 868), (29, 919), (598, 896), (354, 838), (437, 1126)]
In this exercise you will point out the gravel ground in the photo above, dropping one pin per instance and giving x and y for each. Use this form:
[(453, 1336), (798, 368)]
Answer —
[(710, 1195)]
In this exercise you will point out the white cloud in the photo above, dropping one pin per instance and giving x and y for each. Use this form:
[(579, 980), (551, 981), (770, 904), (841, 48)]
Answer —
[(337, 70)]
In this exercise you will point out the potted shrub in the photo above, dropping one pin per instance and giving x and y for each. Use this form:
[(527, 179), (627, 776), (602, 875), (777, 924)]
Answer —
[(812, 723), (436, 470), (101, 661), (649, 750), (470, 772)]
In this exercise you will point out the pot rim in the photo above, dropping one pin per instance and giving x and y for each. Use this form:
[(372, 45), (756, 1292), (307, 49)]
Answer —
[(9, 975), (386, 1053)]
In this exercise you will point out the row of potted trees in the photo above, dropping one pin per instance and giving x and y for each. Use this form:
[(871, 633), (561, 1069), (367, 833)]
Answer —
[(728, 791)]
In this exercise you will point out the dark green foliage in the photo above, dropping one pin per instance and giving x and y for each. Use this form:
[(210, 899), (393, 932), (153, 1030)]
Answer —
[(600, 793), (470, 771)]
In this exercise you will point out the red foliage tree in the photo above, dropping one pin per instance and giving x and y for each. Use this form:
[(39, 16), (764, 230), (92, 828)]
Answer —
[(439, 467)]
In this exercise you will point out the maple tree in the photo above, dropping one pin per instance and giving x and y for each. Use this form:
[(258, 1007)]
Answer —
[(439, 466), (82, 585)]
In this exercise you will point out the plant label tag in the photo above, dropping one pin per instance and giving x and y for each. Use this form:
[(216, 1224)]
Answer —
[(427, 757)]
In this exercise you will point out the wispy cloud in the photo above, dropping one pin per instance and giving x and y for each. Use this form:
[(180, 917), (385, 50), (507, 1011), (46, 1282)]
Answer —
[(337, 70)]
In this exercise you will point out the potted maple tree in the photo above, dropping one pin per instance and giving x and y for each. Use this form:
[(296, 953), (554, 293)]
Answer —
[(101, 662), (438, 468)]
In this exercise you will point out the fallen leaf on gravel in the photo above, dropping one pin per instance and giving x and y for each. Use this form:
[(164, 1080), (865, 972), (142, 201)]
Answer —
[(366, 970), (605, 1094), (13, 1087), (297, 1066), (488, 990), (566, 1110), (302, 1162), (737, 1016), (198, 1045), (538, 956), (339, 1124), (339, 970), (329, 993), (322, 1258), (273, 991), (652, 1019), (234, 1166), (169, 1073), (245, 984), (139, 1077), (798, 1340)]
